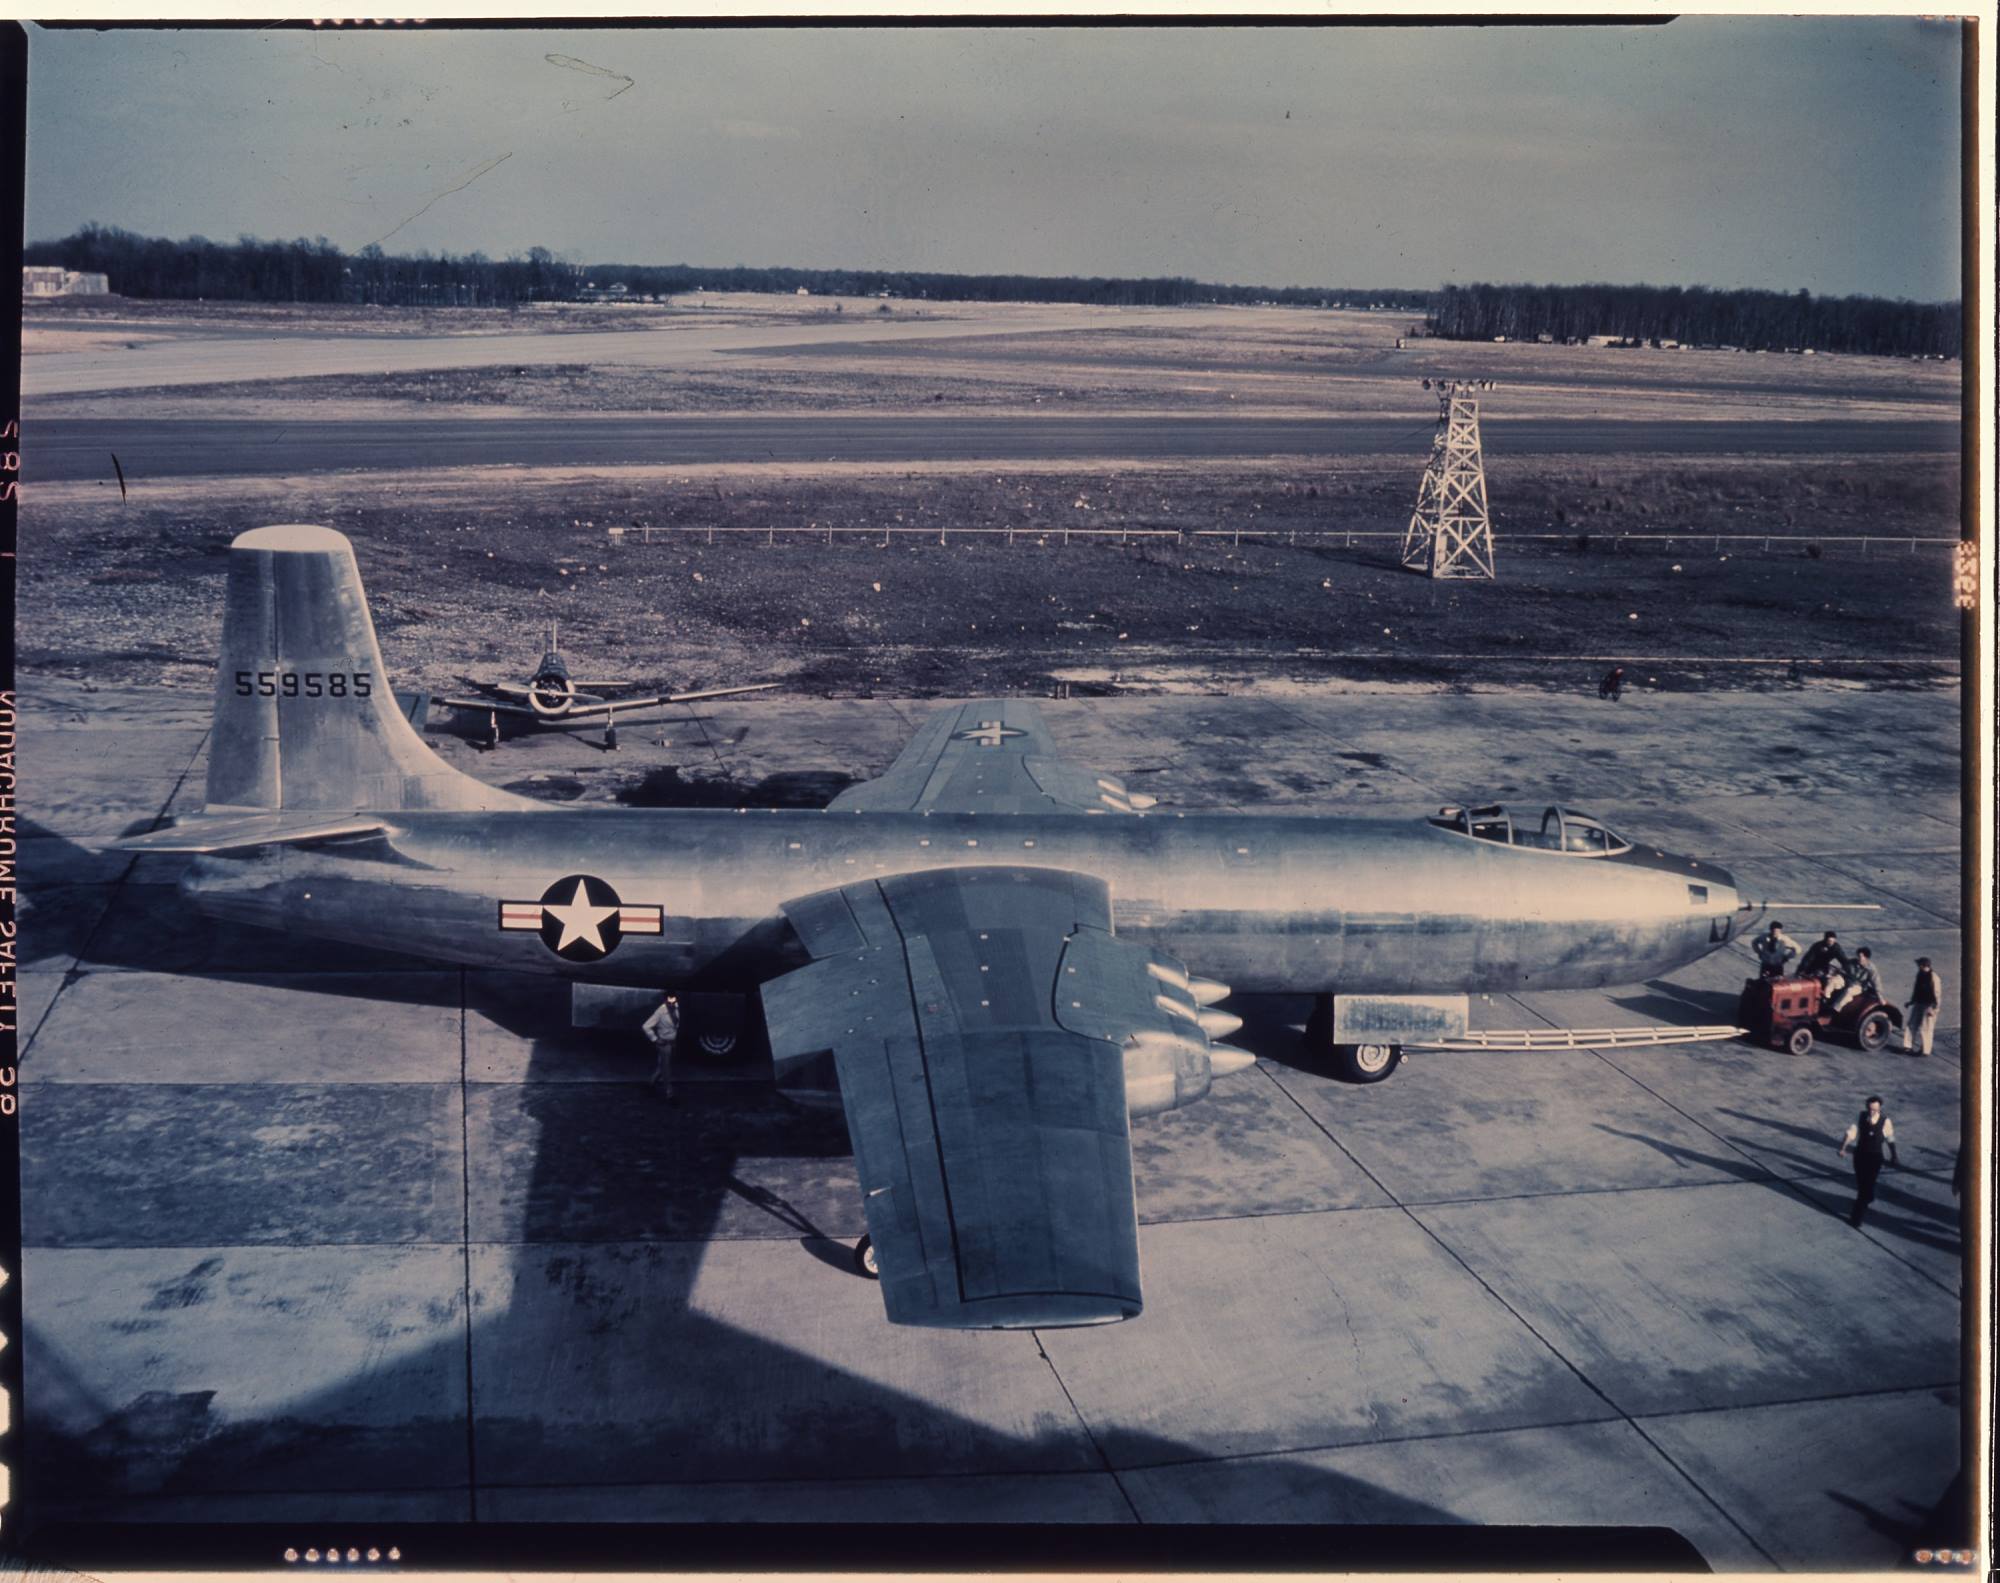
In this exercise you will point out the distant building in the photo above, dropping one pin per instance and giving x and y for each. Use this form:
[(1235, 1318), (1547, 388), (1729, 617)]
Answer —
[(52, 280)]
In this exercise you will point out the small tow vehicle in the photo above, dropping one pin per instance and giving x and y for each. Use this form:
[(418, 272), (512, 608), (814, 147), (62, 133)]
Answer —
[(1788, 1013)]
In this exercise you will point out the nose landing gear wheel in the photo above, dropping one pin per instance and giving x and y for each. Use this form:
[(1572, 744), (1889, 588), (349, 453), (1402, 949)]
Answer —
[(1366, 1063), (864, 1258)]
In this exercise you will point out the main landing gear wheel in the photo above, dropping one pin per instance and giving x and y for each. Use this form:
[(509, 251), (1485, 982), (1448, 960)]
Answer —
[(864, 1258), (1873, 1032), (1800, 1041), (1366, 1063)]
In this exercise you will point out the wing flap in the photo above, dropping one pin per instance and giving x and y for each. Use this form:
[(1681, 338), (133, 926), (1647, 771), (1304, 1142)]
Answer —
[(993, 1145)]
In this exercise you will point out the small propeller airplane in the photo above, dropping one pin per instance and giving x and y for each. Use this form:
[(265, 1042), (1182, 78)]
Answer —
[(552, 697)]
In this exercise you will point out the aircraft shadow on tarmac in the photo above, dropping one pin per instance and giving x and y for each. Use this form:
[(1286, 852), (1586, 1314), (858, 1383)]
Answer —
[(622, 1197)]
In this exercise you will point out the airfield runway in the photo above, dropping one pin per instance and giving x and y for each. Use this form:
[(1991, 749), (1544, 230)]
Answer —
[(316, 1233), (138, 355), (60, 450)]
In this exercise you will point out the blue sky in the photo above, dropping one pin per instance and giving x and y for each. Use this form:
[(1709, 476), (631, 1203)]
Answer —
[(1818, 152)]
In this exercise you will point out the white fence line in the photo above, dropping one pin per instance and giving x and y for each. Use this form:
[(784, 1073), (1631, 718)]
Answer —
[(1908, 542)]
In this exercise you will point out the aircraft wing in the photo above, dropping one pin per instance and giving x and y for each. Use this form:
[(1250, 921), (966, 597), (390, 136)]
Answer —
[(975, 1019), (492, 705), (988, 756), (586, 705), (585, 708)]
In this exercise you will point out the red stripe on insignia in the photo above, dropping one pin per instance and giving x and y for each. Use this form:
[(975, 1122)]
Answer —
[(520, 915), (639, 920)]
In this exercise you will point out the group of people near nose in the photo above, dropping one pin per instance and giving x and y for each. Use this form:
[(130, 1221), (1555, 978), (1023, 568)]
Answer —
[(1843, 979)]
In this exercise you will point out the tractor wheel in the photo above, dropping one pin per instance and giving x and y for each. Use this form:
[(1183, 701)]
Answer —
[(1800, 1041), (864, 1258), (1873, 1031), (1366, 1063)]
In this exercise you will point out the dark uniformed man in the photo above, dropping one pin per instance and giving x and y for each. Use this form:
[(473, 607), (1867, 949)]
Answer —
[(1824, 960), (1822, 953), (1871, 1133)]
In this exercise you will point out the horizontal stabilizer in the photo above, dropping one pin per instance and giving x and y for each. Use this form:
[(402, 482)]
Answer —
[(238, 832), (1580, 1038)]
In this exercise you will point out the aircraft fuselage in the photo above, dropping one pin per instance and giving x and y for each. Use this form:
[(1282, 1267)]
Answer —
[(1266, 904)]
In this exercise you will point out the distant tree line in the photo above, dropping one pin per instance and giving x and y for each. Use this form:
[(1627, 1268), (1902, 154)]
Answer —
[(253, 270), (1115, 291), (1698, 316)]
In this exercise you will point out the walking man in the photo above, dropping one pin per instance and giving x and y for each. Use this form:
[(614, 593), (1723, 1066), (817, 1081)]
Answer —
[(1871, 1133), (1923, 1004)]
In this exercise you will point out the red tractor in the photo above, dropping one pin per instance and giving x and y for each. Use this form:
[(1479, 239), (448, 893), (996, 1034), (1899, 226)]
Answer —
[(1786, 1013)]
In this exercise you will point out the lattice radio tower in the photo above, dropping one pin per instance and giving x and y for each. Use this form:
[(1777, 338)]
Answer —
[(1450, 532)]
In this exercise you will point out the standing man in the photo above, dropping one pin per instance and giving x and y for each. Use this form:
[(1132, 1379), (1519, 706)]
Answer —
[(1774, 949), (1871, 1133), (1923, 1005), (1612, 685)]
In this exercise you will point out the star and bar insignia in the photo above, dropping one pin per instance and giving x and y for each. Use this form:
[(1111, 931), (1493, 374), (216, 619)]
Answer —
[(990, 734), (579, 918)]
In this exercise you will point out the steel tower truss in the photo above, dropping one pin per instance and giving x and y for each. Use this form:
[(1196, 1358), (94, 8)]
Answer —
[(1451, 532)]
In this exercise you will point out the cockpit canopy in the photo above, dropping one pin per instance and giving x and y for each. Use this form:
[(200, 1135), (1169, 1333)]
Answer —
[(1563, 830)]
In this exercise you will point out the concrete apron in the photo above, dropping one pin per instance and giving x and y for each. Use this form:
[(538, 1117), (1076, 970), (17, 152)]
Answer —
[(275, 1199)]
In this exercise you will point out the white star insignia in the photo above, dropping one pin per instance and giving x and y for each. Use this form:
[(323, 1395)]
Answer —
[(581, 919), (990, 734)]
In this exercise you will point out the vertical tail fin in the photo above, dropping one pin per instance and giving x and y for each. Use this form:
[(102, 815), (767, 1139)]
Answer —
[(304, 714)]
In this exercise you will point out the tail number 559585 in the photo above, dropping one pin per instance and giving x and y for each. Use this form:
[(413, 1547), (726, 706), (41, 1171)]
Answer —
[(303, 684)]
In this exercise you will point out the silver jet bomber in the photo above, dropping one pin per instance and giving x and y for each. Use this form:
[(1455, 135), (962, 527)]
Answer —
[(988, 956)]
